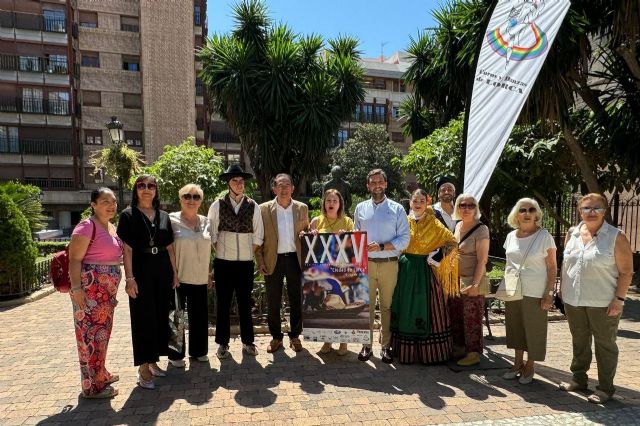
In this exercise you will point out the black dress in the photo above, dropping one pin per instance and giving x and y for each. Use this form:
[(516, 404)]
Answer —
[(154, 276)]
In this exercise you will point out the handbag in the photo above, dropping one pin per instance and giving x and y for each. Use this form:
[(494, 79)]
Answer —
[(59, 269), (510, 288), (176, 325)]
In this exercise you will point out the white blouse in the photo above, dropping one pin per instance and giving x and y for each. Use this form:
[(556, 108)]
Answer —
[(193, 249)]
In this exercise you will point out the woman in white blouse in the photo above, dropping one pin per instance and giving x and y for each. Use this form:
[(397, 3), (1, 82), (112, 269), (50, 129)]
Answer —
[(596, 274), (531, 250), (192, 241)]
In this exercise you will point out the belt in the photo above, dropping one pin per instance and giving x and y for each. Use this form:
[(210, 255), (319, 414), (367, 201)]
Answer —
[(291, 253), (154, 250), (383, 259)]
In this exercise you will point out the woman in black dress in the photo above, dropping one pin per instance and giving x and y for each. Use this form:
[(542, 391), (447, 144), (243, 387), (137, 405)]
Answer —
[(149, 265)]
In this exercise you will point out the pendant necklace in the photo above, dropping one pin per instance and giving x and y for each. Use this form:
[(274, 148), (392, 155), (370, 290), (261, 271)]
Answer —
[(153, 225)]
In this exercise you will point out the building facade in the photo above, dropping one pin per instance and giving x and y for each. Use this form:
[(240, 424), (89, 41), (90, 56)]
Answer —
[(67, 66)]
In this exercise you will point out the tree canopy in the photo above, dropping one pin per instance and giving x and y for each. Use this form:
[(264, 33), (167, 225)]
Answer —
[(27, 199), (17, 250)]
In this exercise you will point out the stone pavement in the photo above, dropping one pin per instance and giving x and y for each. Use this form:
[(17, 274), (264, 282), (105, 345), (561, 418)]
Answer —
[(39, 382)]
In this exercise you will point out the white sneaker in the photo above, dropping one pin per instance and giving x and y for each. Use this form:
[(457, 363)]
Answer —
[(223, 352), (178, 363), (203, 358), (250, 349)]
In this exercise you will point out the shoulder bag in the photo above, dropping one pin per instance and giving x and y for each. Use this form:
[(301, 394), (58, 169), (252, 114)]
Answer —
[(510, 288)]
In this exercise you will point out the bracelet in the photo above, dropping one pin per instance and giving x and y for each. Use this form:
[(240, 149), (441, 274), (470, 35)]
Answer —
[(622, 299), (130, 279)]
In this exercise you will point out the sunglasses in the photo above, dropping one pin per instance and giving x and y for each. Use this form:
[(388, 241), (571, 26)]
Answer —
[(467, 206), (189, 197), (587, 210), (144, 185), (525, 210)]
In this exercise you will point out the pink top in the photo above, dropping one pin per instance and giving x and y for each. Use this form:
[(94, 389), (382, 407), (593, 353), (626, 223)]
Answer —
[(105, 249)]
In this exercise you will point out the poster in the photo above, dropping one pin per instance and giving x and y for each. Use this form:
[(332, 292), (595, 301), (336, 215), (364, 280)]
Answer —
[(335, 288)]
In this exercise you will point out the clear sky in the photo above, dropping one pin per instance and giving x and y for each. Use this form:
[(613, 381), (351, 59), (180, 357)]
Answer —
[(373, 22)]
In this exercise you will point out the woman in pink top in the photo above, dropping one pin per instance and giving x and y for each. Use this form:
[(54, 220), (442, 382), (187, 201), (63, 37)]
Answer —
[(94, 269)]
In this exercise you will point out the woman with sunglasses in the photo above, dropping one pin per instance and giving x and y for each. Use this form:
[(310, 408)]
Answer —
[(192, 242), (150, 273), (467, 310), (531, 251), (596, 274)]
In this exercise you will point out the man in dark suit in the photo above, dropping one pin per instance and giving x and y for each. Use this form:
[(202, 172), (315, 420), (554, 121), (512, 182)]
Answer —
[(281, 256)]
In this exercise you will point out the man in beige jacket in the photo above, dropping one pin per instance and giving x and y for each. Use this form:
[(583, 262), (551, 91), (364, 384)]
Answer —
[(281, 256)]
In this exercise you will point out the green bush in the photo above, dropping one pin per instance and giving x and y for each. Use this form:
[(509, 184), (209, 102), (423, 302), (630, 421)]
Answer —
[(49, 247), (17, 249)]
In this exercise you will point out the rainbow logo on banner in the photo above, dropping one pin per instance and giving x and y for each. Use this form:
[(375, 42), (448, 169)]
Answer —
[(519, 53)]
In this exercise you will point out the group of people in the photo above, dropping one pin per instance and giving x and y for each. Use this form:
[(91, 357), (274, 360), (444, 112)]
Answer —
[(427, 269)]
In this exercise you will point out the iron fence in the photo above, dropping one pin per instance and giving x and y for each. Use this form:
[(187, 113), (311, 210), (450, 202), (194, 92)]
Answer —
[(22, 283)]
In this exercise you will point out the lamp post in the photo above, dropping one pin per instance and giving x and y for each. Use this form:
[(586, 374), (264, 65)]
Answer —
[(116, 132)]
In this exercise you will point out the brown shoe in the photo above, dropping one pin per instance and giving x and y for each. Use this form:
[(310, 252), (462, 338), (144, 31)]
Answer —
[(295, 344), (274, 345)]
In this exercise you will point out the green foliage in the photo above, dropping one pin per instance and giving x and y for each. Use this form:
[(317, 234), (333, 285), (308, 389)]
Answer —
[(46, 248), (17, 250), (118, 161), (315, 207), (369, 148), (285, 94), (86, 213), (27, 198), (184, 164)]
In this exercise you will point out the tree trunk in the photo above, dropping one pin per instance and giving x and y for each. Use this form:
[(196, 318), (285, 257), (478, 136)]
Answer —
[(586, 170)]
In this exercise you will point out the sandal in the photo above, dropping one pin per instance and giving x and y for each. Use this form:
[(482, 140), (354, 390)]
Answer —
[(571, 386), (599, 397), (108, 392), (114, 378)]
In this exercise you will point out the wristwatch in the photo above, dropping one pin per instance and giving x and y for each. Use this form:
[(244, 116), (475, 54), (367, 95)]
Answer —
[(381, 245), (622, 299)]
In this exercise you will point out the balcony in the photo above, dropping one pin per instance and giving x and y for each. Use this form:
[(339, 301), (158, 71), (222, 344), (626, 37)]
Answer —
[(35, 105), (130, 28), (33, 64), (370, 118), (33, 22), (27, 146), (224, 137), (50, 184)]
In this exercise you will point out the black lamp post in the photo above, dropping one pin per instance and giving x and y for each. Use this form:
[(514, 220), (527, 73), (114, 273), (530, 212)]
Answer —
[(116, 132)]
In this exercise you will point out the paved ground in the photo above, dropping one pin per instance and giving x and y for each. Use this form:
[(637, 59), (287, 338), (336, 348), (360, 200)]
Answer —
[(39, 383)]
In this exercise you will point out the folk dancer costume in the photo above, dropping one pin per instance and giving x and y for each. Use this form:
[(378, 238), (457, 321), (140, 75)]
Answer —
[(420, 326)]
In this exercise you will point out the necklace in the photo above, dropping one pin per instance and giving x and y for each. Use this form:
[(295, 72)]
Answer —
[(153, 225)]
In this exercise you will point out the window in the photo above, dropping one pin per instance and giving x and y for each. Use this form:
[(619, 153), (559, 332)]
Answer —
[(132, 100), (233, 158), (90, 59), (131, 63), (197, 17), (130, 24), (9, 139), (368, 112), (30, 63), (59, 103), (91, 98), (381, 112), (341, 137), (395, 112), (57, 64), (199, 87), (54, 21), (356, 115), (133, 138), (32, 100), (89, 19), (93, 137)]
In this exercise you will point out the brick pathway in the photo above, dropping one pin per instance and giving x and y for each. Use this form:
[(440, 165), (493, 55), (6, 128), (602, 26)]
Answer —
[(39, 382)]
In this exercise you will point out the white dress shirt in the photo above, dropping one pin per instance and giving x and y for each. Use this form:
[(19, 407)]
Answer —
[(233, 245), (286, 237)]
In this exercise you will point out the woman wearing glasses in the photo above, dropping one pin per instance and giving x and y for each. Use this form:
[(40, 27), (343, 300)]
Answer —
[(531, 251), (468, 309), (596, 273), (192, 242), (150, 272)]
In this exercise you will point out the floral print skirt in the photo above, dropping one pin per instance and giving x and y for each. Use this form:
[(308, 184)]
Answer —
[(93, 324)]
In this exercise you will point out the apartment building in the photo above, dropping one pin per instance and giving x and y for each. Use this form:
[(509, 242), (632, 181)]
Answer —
[(67, 66)]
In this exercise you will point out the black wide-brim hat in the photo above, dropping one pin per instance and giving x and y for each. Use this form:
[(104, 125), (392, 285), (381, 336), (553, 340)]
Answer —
[(235, 170)]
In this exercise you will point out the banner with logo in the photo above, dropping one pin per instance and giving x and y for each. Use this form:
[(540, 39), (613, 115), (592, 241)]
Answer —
[(335, 288), (516, 43)]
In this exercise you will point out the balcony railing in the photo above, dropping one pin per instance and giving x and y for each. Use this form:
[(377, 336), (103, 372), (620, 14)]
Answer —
[(52, 184), (130, 28), (370, 118), (13, 145), (30, 21), (199, 88), (224, 137), (33, 64), (34, 105)]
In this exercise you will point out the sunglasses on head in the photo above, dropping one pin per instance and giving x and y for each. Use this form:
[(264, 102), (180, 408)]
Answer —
[(524, 210), (143, 185), (586, 210), (467, 206), (189, 197)]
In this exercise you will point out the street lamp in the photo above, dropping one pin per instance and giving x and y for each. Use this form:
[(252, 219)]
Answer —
[(116, 132)]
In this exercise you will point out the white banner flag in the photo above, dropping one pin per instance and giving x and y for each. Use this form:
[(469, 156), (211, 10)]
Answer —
[(514, 48)]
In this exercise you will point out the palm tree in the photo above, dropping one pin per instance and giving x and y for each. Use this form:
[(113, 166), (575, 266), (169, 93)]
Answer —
[(284, 94)]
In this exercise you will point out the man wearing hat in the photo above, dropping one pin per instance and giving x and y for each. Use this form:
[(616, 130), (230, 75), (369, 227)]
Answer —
[(446, 197), (236, 233)]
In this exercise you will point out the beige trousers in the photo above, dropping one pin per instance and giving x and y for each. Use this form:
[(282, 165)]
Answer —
[(383, 277)]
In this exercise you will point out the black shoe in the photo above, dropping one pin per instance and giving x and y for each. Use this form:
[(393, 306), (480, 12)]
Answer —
[(365, 354), (386, 355)]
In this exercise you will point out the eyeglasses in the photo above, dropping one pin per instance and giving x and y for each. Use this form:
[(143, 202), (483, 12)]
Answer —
[(284, 186), (467, 206), (587, 210), (144, 185), (525, 210), (189, 197)]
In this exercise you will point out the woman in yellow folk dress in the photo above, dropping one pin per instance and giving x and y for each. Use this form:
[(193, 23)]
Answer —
[(420, 326), (333, 219)]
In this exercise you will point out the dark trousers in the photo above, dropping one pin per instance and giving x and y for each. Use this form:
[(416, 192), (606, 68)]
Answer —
[(194, 298), (233, 276), (286, 266)]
